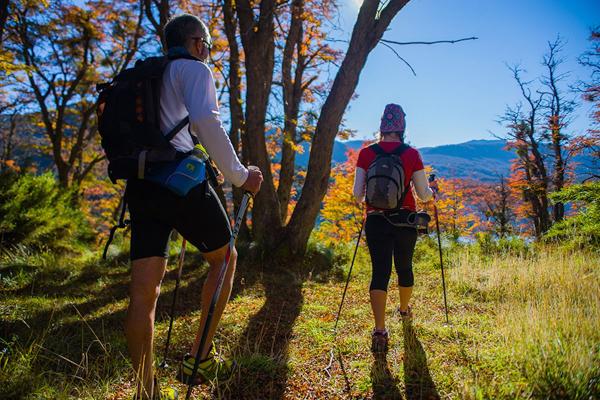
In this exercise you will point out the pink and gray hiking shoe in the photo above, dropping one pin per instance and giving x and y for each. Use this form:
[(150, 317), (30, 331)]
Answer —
[(379, 341)]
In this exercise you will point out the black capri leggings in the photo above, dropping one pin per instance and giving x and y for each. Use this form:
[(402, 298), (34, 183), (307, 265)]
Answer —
[(386, 240)]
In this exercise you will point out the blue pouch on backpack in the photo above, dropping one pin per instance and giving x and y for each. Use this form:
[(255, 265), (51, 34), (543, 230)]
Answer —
[(179, 176)]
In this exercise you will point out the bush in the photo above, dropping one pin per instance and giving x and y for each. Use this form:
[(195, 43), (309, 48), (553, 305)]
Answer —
[(426, 253), (36, 213), (487, 244), (583, 229)]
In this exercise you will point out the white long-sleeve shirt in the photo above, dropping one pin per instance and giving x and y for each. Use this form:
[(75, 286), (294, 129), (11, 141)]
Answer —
[(418, 180), (188, 88)]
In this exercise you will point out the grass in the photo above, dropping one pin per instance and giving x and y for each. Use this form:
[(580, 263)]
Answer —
[(523, 325)]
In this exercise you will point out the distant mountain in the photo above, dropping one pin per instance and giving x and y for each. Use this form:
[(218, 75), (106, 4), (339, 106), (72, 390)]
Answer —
[(482, 160), (477, 159)]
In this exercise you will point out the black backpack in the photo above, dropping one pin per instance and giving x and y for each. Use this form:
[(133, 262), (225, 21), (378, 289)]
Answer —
[(128, 112), (386, 179)]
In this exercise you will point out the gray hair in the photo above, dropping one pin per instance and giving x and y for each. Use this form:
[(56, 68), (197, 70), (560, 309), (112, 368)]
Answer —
[(181, 28)]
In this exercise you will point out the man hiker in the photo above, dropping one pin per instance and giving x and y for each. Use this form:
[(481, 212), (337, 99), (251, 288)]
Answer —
[(187, 88)]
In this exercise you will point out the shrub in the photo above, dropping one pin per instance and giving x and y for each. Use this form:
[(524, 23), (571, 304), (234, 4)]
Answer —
[(582, 229), (36, 213), (426, 253), (488, 245)]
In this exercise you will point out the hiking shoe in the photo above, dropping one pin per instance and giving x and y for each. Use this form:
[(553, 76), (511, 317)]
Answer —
[(405, 314), (166, 394), (212, 368), (379, 341)]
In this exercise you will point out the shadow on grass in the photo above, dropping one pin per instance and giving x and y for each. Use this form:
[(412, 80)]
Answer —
[(417, 378), (262, 350), (69, 325), (78, 332), (385, 384), (348, 384)]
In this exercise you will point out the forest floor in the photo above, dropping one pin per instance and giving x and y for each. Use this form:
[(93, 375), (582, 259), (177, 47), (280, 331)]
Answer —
[(521, 326)]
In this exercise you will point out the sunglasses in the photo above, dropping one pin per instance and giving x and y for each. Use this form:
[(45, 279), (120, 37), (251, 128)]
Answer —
[(206, 43)]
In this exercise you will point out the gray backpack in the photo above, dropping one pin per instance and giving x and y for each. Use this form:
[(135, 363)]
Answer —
[(386, 186)]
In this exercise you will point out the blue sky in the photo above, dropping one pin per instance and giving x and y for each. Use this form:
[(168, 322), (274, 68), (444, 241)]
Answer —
[(461, 89)]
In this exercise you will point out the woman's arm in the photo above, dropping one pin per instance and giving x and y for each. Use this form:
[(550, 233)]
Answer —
[(421, 186), (360, 180)]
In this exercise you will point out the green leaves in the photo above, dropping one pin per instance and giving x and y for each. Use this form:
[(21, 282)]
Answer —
[(583, 228), (34, 212)]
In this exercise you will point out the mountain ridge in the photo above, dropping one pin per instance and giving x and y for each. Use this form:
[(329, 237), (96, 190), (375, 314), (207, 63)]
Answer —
[(483, 160)]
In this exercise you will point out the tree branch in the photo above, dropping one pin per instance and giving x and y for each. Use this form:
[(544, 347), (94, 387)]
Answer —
[(398, 55), (427, 43)]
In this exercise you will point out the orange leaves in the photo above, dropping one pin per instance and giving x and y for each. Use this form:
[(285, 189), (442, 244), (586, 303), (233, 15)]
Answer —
[(101, 199), (9, 164)]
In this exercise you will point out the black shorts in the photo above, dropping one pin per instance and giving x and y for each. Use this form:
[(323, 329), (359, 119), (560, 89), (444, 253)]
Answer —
[(155, 211)]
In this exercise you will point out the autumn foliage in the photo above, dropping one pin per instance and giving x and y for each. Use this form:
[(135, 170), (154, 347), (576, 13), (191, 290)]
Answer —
[(272, 62), (341, 216), (464, 207)]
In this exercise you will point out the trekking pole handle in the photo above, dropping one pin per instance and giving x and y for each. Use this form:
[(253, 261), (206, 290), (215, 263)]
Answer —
[(434, 188)]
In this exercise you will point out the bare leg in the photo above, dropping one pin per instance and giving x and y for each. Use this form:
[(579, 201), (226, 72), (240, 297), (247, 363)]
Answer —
[(215, 260), (405, 293), (146, 276), (378, 300)]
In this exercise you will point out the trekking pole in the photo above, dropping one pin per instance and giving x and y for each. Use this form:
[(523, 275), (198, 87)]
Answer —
[(439, 238), (217, 293), (164, 364), (337, 318)]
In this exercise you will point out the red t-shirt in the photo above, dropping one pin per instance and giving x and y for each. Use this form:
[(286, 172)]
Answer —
[(411, 160)]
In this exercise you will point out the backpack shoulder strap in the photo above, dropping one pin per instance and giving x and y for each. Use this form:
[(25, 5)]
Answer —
[(377, 149), (400, 149), (177, 128), (169, 136)]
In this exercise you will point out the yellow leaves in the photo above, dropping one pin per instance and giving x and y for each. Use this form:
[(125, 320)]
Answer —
[(454, 216), (342, 215), (7, 64), (272, 142)]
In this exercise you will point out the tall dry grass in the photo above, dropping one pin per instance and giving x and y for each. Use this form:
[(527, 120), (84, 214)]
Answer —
[(547, 314)]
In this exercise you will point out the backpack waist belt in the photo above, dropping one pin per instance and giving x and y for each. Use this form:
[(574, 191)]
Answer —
[(407, 219)]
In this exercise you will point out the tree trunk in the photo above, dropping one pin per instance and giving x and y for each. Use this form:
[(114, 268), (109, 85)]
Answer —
[(538, 179), (559, 169), (235, 87), (258, 40), (292, 97), (164, 11), (368, 30), (3, 18)]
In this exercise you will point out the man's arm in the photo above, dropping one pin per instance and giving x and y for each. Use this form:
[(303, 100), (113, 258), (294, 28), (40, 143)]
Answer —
[(199, 94)]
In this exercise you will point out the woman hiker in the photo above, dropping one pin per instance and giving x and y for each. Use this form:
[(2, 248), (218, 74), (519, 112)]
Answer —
[(387, 241)]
